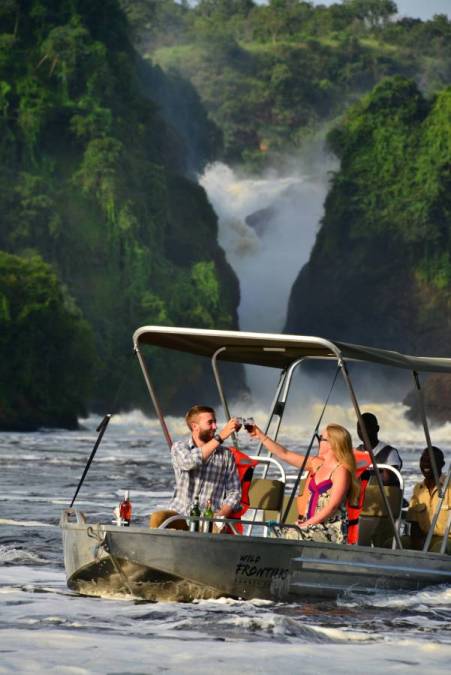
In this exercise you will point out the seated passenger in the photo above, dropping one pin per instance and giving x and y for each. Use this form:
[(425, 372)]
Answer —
[(383, 453), (423, 505), (332, 480), (204, 468)]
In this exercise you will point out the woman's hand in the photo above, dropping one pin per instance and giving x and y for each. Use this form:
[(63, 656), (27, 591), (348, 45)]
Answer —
[(256, 432), (303, 524)]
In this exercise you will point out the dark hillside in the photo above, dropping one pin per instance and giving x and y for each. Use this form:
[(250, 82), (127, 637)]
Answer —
[(380, 271), (94, 179)]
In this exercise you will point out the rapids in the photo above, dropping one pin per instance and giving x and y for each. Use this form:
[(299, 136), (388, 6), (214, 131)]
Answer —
[(47, 628)]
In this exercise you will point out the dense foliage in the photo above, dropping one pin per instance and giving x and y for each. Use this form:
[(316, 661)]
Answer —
[(47, 348), (270, 74), (95, 180), (380, 271)]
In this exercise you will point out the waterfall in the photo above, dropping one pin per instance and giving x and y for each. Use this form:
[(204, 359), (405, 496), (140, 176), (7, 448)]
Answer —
[(267, 227)]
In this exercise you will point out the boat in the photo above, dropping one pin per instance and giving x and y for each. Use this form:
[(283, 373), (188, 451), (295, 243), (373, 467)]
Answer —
[(161, 562)]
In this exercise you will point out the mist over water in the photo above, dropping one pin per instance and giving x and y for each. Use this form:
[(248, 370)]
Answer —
[(267, 227), (267, 250)]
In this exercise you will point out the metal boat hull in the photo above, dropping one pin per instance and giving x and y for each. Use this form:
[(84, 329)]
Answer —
[(156, 563)]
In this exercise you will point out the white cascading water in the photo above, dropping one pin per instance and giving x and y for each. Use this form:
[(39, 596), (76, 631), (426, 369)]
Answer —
[(268, 256), (267, 262)]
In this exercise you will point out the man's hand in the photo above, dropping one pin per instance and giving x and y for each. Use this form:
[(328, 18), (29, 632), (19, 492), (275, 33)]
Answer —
[(229, 428)]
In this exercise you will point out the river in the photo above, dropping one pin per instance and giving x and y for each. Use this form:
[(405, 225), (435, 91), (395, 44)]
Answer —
[(46, 628)]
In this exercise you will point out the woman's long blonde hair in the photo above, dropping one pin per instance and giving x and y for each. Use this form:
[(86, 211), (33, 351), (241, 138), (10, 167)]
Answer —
[(341, 444)]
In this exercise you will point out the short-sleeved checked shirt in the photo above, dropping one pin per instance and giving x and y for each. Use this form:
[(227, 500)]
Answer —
[(215, 479)]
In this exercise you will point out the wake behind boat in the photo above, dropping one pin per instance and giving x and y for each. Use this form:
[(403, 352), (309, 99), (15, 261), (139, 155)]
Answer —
[(257, 562)]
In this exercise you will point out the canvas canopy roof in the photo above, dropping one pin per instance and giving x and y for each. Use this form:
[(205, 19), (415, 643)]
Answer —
[(277, 350)]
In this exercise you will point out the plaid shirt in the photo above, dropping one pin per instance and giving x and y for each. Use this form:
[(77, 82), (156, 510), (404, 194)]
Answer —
[(215, 479)]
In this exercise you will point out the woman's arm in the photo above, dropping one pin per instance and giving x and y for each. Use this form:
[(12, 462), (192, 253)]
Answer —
[(341, 481), (274, 448)]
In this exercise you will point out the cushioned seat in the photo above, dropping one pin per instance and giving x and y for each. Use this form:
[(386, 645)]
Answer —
[(375, 528), (266, 494)]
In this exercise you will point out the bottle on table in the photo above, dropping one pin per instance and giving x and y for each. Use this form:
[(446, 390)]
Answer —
[(208, 518), (194, 514), (125, 509)]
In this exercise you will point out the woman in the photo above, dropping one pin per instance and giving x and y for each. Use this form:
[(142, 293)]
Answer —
[(332, 481)]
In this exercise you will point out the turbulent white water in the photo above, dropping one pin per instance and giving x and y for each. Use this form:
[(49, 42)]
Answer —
[(268, 257), (45, 628)]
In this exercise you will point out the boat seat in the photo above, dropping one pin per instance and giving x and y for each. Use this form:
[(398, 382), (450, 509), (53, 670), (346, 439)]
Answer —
[(266, 494), (375, 528)]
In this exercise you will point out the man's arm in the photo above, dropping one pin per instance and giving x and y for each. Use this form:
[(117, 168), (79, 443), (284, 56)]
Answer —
[(209, 448), (187, 458)]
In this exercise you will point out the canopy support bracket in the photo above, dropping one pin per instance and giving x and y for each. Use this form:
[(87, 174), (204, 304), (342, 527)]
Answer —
[(154, 398)]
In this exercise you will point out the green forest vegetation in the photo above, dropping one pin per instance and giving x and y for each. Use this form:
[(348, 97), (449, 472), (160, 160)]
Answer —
[(42, 334), (96, 182), (108, 111), (380, 270), (272, 75)]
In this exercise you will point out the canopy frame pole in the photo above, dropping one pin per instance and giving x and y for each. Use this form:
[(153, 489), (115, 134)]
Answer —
[(430, 534), (369, 449), (214, 365), (219, 386), (154, 398), (278, 406), (309, 449), (420, 399)]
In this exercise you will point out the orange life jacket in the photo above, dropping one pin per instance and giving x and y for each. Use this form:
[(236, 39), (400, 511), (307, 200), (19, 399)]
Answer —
[(245, 467), (362, 460)]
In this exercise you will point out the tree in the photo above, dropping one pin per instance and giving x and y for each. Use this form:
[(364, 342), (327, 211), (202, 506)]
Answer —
[(375, 12), (47, 348)]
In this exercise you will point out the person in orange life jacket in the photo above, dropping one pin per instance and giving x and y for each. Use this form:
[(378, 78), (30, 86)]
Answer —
[(383, 453), (423, 505), (354, 508), (332, 479)]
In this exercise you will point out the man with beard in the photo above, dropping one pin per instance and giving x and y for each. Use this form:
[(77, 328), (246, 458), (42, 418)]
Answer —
[(205, 469), (423, 505)]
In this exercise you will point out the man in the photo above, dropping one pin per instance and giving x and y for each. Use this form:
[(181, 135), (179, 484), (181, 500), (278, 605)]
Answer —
[(378, 532), (383, 453), (424, 503), (203, 467)]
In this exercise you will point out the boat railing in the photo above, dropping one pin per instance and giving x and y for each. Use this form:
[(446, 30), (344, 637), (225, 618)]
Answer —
[(269, 525), (269, 462), (80, 517), (375, 528), (266, 493)]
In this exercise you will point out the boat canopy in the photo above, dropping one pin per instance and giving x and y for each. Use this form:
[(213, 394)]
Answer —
[(276, 350)]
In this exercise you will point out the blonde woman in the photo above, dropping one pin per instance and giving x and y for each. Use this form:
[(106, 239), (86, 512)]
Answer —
[(332, 480)]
